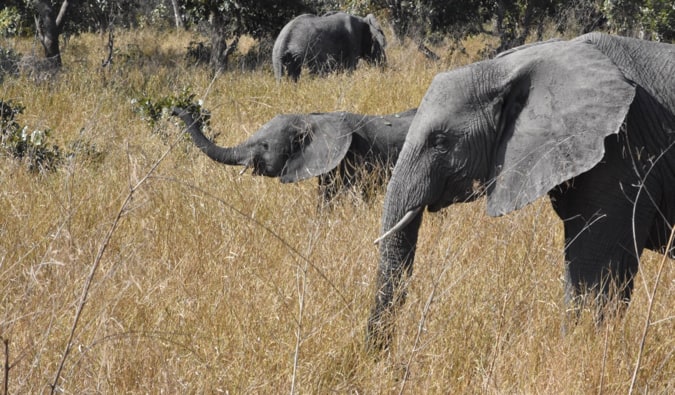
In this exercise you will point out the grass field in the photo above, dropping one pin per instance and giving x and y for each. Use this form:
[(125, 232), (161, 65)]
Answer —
[(201, 280)]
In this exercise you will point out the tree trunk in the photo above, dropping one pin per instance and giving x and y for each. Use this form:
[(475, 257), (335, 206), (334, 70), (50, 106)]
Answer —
[(180, 25), (48, 25), (218, 44), (399, 19)]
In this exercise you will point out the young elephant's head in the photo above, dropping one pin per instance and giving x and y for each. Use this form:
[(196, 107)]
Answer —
[(292, 147), (295, 147)]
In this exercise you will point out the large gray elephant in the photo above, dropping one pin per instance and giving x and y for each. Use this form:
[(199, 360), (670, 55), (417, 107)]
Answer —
[(337, 147), (331, 42), (590, 121)]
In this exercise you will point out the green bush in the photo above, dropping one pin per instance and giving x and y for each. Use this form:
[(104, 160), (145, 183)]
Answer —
[(9, 63), (659, 19), (10, 22), (21, 143)]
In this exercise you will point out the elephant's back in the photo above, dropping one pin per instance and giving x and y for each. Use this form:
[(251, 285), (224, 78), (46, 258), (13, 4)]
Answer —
[(301, 23), (322, 36), (385, 134), (647, 63), (293, 30), (297, 34)]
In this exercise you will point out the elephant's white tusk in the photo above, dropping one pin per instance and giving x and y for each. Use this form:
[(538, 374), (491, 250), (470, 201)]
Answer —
[(243, 170), (400, 225)]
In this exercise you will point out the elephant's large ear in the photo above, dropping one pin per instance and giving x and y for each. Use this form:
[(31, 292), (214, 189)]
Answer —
[(322, 143), (559, 103)]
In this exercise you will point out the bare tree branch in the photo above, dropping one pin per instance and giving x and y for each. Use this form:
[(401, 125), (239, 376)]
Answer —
[(62, 14), (108, 60)]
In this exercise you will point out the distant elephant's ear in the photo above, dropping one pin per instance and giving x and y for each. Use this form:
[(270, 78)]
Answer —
[(323, 142), (376, 31), (559, 103)]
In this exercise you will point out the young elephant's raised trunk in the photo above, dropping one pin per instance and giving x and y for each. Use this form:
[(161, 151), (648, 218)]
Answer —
[(226, 155)]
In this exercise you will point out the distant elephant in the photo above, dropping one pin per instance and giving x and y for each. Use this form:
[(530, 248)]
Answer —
[(331, 42), (589, 121), (336, 147)]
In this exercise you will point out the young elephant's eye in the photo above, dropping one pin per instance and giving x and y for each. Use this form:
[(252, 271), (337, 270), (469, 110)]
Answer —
[(265, 146)]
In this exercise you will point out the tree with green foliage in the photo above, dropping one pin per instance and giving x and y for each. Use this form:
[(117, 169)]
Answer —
[(229, 19), (658, 19), (651, 19), (419, 18), (23, 144), (513, 21), (54, 17), (49, 22)]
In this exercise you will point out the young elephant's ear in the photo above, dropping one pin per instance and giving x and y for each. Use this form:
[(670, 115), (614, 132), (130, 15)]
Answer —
[(558, 104), (322, 144)]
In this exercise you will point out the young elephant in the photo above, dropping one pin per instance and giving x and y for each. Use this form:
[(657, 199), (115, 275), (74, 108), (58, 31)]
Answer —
[(335, 41), (336, 147)]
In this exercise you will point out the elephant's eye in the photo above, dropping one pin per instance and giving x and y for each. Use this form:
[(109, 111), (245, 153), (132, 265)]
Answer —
[(440, 141), (265, 146)]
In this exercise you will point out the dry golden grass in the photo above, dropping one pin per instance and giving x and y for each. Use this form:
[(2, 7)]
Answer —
[(212, 282)]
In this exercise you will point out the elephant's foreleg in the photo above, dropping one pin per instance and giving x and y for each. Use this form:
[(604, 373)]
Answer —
[(607, 225), (599, 268)]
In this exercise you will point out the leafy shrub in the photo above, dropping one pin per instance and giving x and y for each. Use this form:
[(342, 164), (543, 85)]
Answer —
[(10, 22), (152, 110), (658, 17), (23, 144), (9, 63), (155, 110)]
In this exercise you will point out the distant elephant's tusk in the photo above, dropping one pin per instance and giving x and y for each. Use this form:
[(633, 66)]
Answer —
[(243, 170), (400, 225)]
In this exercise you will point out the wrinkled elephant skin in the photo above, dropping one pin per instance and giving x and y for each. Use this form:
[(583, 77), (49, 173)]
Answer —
[(590, 122)]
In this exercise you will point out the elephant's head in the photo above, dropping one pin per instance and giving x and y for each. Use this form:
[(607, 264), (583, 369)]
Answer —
[(513, 127), (293, 147), (374, 41)]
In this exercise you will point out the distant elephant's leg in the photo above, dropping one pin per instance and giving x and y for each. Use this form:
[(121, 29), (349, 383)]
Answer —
[(352, 172), (328, 188), (370, 178), (316, 67), (357, 174), (293, 66), (294, 71), (349, 173)]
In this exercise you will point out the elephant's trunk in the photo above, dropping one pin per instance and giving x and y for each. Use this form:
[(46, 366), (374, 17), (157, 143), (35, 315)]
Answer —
[(397, 252), (226, 155)]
